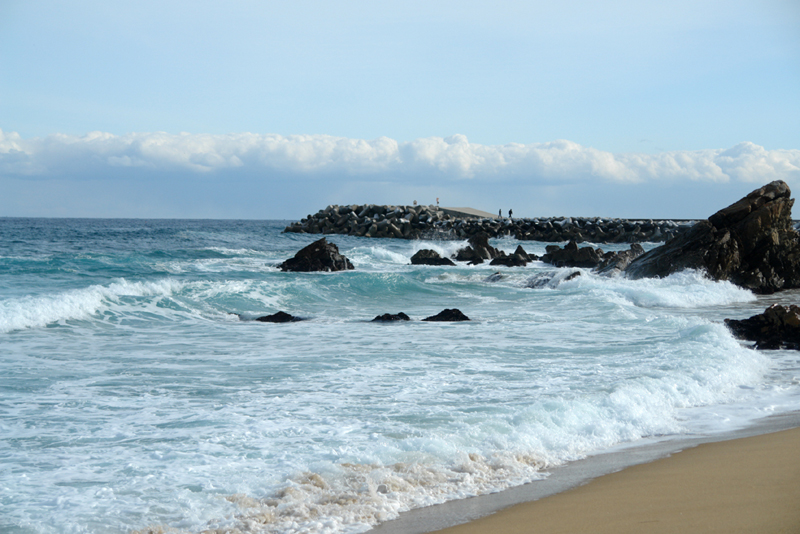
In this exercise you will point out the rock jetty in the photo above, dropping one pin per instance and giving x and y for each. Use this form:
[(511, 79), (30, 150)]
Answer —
[(752, 243), (431, 222)]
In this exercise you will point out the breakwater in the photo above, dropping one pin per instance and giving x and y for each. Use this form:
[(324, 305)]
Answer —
[(432, 222)]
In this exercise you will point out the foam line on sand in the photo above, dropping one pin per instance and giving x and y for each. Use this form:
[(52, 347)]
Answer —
[(750, 482)]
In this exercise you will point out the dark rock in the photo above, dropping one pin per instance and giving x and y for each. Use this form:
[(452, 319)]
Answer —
[(510, 261), (572, 276), (572, 256), (616, 262), (280, 317), (752, 243), (777, 328), (388, 317), (448, 315), (318, 256), (519, 258), (478, 249), (427, 256), (522, 254)]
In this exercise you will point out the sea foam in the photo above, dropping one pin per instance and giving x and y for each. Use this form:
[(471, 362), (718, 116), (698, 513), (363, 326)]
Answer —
[(31, 312)]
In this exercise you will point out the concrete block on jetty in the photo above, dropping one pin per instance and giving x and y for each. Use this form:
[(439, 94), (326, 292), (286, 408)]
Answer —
[(433, 222)]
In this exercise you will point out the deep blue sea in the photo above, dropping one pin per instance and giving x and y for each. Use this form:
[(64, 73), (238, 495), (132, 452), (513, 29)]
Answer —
[(137, 393)]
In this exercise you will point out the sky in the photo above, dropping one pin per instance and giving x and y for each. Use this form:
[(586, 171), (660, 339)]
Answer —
[(272, 110)]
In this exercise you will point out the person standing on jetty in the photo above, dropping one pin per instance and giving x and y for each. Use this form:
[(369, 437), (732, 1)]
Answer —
[(510, 213), (500, 213)]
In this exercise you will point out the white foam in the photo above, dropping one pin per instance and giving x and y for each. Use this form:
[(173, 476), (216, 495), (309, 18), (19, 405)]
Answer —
[(39, 311), (687, 289)]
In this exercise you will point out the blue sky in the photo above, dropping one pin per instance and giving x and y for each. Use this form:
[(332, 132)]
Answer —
[(254, 109)]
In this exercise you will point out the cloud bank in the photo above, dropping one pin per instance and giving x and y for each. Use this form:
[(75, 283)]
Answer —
[(450, 158)]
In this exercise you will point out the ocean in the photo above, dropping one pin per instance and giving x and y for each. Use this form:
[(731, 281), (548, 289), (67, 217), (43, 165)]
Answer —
[(138, 393)]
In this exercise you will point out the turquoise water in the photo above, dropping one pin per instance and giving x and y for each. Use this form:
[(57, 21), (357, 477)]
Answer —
[(137, 393)]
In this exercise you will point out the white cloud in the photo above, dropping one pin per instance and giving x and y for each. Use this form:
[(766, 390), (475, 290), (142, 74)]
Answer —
[(452, 157)]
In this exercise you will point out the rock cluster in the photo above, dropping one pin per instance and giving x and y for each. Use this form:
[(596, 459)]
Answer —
[(426, 222), (752, 243), (777, 328), (519, 258), (478, 250), (591, 258), (318, 256), (452, 314)]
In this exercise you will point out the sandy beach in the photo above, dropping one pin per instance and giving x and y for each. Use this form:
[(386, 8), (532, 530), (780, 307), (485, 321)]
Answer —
[(749, 484)]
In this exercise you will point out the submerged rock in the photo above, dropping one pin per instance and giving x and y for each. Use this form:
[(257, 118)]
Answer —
[(280, 317), (427, 256), (550, 279), (752, 243), (448, 315), (494, 277), (388, 317), (318, 256), (777, 328)]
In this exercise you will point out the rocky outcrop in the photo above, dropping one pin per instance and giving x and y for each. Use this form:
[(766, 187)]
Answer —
[(519, 258), (427, 256), (777, 328), (280, 317), (478, 250), (448, 315), (318, 256), (426, 222), (615, 262), (572, 256), (752, 243)]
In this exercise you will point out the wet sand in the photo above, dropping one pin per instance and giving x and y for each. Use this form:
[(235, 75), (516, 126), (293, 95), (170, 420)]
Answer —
[(750, 484)]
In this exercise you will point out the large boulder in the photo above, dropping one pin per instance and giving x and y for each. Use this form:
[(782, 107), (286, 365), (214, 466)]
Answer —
[(752, 243), (427, 256), (777, 328), (318, 256), (453, 314), (280, 317)]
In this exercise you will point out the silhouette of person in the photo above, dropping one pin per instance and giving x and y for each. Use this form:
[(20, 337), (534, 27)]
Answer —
[(510, 211), (500, 213)]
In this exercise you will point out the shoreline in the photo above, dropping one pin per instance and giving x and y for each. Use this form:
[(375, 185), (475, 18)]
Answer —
[(469, 515)]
